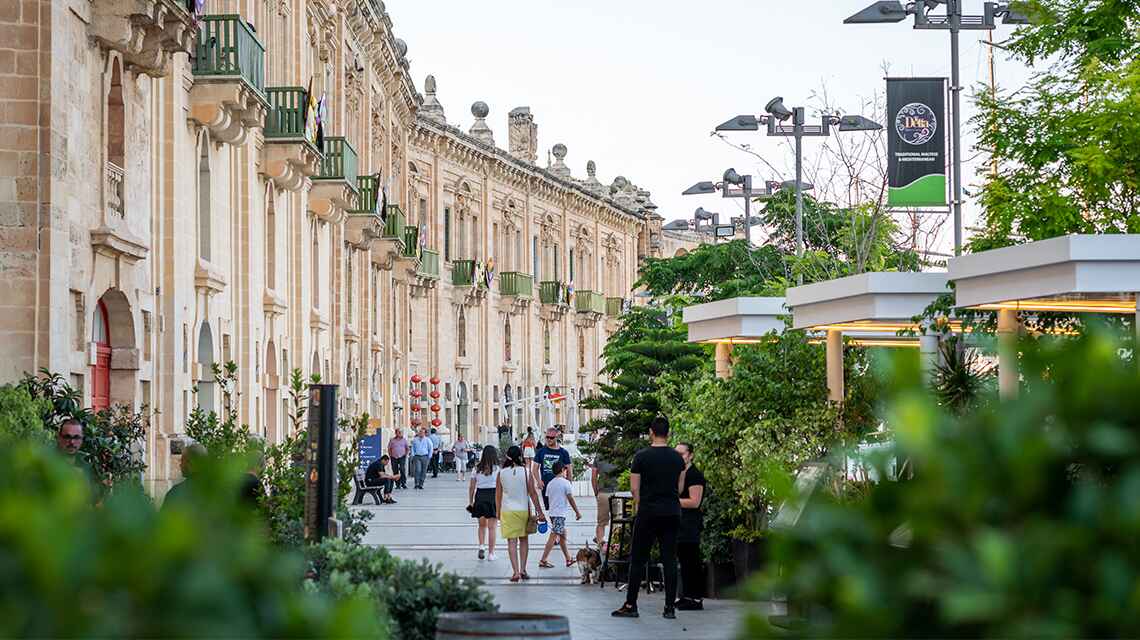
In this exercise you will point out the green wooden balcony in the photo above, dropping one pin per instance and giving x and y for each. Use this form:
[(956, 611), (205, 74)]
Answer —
[(368, 188), (286, 117), (462, 272), (513, 283), (614, 306), (228, 48), (411, 242), (339, 162), (429, 264), (589, 302), (552, 292), (395, 223)]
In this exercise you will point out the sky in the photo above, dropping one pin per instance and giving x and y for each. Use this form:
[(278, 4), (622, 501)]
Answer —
[(638, 85)]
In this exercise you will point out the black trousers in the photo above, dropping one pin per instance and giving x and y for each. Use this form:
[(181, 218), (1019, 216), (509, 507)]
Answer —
[(692, 578), (646, 530), (433, 464), (400, 466)]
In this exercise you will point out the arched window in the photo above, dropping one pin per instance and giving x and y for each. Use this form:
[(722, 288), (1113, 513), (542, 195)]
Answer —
[(461, 333), (507, 340), (315, 271), (115, 142), (270, 241), (101, 372), (204, 196), (206, 369), (581, 349), (349, 285)]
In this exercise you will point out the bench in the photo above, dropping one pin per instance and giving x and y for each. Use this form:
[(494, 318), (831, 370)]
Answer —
[(364, 490)]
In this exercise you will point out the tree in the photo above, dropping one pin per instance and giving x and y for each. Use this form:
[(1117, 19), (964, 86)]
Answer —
[(649, 344), (1068, 143), (715, 272)]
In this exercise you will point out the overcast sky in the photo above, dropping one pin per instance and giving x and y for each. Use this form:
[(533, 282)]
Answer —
[(637, 85)]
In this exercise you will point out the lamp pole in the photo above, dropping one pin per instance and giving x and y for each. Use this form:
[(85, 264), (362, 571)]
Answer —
[(799, 185), (954, 11)]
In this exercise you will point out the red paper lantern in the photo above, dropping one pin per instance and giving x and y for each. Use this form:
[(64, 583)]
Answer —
[(417, 393), (434, 380), (434, 395), (416, 408), (416, 422), (435, 422), (417, 379), (435, 408)]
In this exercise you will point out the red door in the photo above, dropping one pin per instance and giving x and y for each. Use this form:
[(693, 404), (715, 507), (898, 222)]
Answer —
[(101, 372)]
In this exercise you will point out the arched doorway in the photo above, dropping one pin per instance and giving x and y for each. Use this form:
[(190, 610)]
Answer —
[(273, 431), (461, 410), (101, 370), (206, 369)]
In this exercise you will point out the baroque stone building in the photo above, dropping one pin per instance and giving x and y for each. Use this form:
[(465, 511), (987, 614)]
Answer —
[(164, 208)]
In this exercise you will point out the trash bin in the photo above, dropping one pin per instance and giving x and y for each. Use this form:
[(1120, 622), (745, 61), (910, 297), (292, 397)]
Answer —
[(503, 626)]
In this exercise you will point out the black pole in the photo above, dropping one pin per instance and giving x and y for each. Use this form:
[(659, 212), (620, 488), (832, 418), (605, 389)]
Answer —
[(321, 472)]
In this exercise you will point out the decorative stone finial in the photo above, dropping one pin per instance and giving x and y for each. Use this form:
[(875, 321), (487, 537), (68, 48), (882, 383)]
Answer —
[(591, 182), (480, 130), (432, 108), (522, 134), (401, 47), (559, 167)]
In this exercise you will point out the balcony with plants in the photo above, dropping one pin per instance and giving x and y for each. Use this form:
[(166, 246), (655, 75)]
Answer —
[(228, 63)]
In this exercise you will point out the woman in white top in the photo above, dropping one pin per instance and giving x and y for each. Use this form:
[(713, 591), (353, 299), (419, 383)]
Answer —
[(460, 450), (513, 496), (481, 498)]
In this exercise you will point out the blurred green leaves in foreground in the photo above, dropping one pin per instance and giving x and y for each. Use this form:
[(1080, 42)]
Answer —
[(200, 568), (1021, 519)]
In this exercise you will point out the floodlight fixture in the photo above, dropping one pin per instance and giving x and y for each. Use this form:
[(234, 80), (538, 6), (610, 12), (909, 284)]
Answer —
[(701, 214), (858, 123), (776, 107), (677, 225), (732, 177), (883, 12), (700, 189), (791, 184), (740, 123)]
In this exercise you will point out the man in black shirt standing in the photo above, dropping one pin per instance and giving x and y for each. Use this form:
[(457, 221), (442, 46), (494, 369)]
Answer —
[(655, 479), (689, 537)]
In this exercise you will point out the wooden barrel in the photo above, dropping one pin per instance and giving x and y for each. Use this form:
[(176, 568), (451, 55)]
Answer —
[(503, 626)]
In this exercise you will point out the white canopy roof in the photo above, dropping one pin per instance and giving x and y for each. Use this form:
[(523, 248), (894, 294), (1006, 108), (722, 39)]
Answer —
[(883, 301), (735, 320)]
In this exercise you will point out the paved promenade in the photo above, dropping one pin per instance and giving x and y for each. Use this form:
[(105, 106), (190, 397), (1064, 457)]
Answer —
[(433, 524)]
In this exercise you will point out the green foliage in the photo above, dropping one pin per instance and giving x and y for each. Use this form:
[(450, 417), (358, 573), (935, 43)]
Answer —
[(222, 435), (650, 344), (1020, 520), (113, 438), (412, 593), (715, 272), (1068, 143), (961, 378), (198, 569), (21, 417), (771, 416)]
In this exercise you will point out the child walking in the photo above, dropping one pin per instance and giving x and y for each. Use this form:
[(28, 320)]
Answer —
[(560, 493)]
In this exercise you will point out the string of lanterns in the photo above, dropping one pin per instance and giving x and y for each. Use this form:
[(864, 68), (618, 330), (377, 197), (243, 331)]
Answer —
[(417, 397)]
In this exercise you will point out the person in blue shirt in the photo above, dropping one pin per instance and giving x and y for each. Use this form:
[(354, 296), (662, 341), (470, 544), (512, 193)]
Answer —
[(436, 441), (422, 448), (549, 453)]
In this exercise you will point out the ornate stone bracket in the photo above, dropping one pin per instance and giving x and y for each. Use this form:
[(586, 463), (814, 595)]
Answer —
[(289, 165), (209, 278), (273, 304), (362, 231), (418, 284), (145, 32), (514, 305), (333, 197), (118, 243), (553, 312), (587, 319), (229, 108), (468, 296)]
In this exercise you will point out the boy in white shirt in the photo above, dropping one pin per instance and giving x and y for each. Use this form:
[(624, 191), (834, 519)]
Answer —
[(560, 493)]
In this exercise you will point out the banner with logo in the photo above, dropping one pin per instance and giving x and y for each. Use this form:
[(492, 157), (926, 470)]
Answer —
[(916, 142)]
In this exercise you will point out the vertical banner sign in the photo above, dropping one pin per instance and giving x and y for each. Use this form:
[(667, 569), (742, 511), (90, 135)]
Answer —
[(916, 142), (370, 445)]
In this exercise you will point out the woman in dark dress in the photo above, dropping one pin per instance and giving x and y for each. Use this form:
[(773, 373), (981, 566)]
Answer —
[(481, 500), (689, 535)]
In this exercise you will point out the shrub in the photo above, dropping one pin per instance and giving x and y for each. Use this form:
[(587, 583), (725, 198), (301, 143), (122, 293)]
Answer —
[(200, 568), (1021, 519), (412, 593), (21, 417)]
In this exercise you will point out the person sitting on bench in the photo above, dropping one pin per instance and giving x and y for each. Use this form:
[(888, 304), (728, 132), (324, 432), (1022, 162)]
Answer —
[(380, 474)]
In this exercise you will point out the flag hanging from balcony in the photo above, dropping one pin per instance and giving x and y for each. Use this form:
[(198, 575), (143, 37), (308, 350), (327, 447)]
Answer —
[(311, 116), (379, 198), (489, 272), (322, 118)]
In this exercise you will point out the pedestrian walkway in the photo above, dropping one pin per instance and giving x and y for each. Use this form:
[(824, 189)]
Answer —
[(433, 524)]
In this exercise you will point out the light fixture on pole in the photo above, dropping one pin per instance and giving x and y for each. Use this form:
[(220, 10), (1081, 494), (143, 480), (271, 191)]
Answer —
[(778, 113), (953, 20), (730, 179)]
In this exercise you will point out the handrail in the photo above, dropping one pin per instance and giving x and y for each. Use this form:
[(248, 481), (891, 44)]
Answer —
[(339, 162), (227, 46)]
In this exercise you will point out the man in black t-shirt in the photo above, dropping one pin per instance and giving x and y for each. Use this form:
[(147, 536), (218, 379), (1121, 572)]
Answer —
[(689, 537), (655, 479)]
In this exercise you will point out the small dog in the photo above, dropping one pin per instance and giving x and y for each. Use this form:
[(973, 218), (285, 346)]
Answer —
[(589, 562)]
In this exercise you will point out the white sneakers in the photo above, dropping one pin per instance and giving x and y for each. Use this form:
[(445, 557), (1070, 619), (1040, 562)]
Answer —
[(491, 556)]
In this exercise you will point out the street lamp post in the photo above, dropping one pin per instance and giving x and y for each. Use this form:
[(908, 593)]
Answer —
[(888, 11), (746, 191), (798, 129)]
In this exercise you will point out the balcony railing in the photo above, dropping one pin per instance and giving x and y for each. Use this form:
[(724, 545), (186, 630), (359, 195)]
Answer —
[(614, 307), (339, 162), (411, 241), (286, 117), (395, 223), (589, 302), (513, 283), (227, 46), (552, 292), (114, 186), (462, 272), (369, 190), (429, 264)]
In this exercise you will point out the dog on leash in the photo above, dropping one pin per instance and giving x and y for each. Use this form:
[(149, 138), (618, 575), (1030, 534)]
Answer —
[(589, 562)]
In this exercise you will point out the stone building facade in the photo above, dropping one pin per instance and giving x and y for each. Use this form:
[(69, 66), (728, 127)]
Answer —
[(163, 209)]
